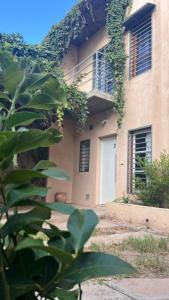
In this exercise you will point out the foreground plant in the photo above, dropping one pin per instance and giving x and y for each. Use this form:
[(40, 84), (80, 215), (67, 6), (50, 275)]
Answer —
[(30, 267)]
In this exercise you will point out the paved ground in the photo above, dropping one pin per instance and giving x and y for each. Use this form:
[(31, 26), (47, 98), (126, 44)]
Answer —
[(121, 289)]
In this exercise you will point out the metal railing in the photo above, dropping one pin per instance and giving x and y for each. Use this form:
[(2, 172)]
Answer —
[(93, 73)]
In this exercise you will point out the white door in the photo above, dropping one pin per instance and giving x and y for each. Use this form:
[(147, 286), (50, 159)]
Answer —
[(108, 170)]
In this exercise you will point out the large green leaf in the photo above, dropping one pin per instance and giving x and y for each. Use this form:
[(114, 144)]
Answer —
[(22, 118), (4, 96), (42, 101), (62, 208), (34, 81), (60, 255), (18, 142), (53, 89), (64, 295), (5, 59), (18, 222), (21, 176), (91, 265), (14, 75), (81, 225), (15, 195), (22, 288), (44, 164), (55, 173)]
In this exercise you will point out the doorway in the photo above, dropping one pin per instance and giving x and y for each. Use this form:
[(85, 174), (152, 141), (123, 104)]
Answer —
[(108, 170)]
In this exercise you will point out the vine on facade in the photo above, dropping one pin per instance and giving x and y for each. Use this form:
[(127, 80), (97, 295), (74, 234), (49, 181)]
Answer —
[(56, 44), (116, 12)]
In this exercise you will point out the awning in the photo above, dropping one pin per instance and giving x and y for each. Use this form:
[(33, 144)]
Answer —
[(138, 16)]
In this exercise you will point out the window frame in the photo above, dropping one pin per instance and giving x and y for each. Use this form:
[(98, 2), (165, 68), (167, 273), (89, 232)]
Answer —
[(83, 169), (141, 63), (131, 160)]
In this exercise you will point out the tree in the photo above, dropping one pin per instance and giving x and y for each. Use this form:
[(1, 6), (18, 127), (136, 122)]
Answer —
[(37, 259)]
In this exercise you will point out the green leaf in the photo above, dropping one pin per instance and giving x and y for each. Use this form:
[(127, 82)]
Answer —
[(55, 173), (81, 225), (17, 142), (21, 176), (34, 81), (62, 208), (44, 269), (42, 101), (15, 195), (23, 288), (13, 77), (92, 265), (44, 164), (22, 118), (17, 222), (64, 295), (5, 59), (53, 89), (60, 255), (4, 96)]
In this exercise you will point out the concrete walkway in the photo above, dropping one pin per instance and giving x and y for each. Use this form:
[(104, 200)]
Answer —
[(128, 289)]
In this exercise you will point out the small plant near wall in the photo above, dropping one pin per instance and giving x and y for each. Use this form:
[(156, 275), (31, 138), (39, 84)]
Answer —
[(37, 259), (155, 192)]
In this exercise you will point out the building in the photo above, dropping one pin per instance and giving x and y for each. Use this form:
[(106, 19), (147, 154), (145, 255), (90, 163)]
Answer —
[(102, 159)]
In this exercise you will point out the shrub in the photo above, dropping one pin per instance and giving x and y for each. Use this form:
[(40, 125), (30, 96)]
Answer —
[(155, 192)]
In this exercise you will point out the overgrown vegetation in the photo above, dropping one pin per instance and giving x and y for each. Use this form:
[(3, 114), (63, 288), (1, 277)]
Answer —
[(57, 43), (30, 267), (155, 192), (47, 61), (148, 254), (116, 12)]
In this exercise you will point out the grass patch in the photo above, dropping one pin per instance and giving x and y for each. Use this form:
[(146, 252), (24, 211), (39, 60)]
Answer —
[(147, 244), (149, 255)]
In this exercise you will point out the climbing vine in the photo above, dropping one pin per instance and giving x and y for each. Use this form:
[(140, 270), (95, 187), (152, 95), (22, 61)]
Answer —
[(56, 44), (62, 34), (116, 12)]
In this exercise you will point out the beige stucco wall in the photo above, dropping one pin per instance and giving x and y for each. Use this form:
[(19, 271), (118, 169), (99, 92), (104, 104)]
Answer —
[(146, 103), (158, 218), (63, 155)]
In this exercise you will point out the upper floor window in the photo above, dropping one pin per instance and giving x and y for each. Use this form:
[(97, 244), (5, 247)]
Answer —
[(141, 47), (139, 149), (102, 72)]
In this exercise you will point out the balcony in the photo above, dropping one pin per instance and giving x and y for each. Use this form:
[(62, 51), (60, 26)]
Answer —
[(94, 75)]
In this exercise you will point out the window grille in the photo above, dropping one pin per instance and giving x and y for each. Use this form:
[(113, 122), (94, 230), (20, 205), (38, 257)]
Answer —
[(140, 148), (141, 48), (102, 72), (84, 156)]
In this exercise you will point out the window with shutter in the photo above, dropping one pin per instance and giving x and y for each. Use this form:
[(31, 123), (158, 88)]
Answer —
[(139, 149), (84, 156)]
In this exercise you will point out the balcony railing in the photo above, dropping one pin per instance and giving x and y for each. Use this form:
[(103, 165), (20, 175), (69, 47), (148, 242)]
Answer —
[(93, 73)]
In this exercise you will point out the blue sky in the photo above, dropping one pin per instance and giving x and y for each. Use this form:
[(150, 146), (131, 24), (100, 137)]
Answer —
[(32, 18)]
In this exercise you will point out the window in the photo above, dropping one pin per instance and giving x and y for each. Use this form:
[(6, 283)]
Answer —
[(102, 72), (84, 156), (140, 148), (141, 48)]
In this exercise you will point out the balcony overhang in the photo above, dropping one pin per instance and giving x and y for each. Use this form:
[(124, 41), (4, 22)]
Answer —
[(99, 101), (94, 14), (138, 16)]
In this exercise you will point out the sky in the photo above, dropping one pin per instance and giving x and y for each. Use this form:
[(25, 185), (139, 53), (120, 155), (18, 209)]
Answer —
[(32, 18)]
